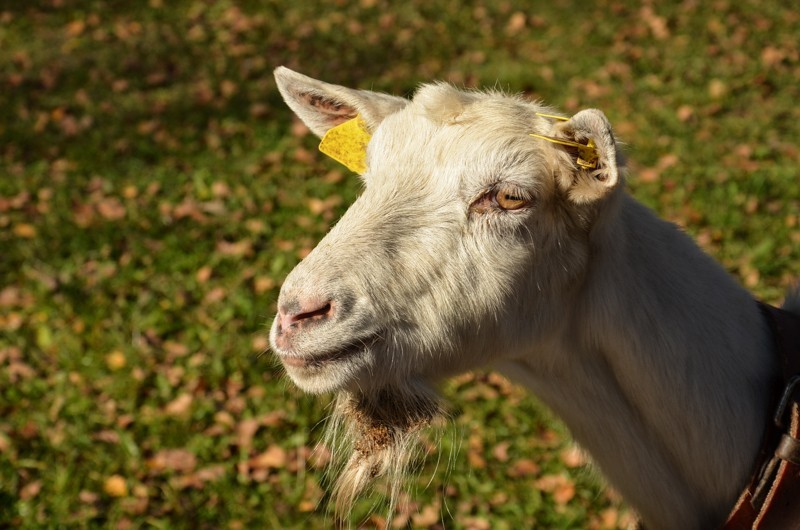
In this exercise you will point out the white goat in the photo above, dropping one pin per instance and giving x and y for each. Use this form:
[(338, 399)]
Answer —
[(476, 244)]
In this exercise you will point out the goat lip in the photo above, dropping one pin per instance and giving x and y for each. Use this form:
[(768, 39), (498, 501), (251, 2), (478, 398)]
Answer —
[(297, 361)]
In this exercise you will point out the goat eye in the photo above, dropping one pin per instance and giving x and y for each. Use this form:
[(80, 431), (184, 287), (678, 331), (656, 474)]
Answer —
[(510, 199)]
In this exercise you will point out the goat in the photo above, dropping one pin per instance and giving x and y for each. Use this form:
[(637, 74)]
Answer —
[(492, 232)]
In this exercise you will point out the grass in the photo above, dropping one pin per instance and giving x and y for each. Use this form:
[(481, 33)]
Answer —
[(154, 192)]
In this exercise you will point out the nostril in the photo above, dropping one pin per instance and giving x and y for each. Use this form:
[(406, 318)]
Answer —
[(304, 313), (322, 312)]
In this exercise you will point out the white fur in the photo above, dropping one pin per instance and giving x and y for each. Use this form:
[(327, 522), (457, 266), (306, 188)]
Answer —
[(655, 358)]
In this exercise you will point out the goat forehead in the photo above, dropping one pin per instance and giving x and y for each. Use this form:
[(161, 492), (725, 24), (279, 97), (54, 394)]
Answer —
[(414, 151)]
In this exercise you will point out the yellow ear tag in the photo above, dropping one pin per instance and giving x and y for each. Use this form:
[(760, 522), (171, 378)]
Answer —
[(587, 153), (347, 143)]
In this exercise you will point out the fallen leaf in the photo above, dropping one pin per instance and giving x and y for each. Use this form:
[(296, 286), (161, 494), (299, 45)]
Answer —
[(203, 274), (180, 460), (500, 451), (573, 456), (107, 436), (428, 516), (516, 23), (115, 486), (273, 458), (30, 490), (175, 349), (477, 523), (220, 189), (564, 493), (25, 231), (717, 89), (179, 406), (524, 468), (115, 360), (18, 371), (88, 497), (560, 486), (198, 479), (111, 209), (245, 431), (306, 506), (475, 459), (217, 294), (262, 284)]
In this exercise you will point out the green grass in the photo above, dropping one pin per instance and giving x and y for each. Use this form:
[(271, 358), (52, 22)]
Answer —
[(154, 193)]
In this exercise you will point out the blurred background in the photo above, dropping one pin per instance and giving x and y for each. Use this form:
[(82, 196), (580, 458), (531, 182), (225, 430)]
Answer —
[(154, 191)]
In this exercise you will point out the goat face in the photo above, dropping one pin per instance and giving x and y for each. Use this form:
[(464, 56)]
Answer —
[(463, 248)]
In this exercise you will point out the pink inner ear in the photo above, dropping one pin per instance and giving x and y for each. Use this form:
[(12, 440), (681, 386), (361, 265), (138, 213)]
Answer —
[(337, 111)]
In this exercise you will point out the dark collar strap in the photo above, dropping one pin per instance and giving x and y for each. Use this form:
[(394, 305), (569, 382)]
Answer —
[(772, 499)]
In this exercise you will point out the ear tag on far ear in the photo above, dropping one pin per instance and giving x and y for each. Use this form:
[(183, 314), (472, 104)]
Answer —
[(347, 144)]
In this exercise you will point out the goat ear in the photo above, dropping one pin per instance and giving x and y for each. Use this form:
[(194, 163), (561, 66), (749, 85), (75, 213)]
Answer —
[(323, 106), (588, 140)]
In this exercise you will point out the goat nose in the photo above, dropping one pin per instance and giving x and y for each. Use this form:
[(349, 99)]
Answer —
[(304, 312)]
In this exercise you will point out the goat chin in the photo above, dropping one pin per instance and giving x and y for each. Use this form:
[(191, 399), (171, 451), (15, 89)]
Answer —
[(375, 437)]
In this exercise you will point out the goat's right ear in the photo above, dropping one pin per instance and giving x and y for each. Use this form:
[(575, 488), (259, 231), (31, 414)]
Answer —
[(323, 106), (588, 141)]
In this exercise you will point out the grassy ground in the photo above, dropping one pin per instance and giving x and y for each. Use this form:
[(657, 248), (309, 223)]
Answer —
[(154, 191)]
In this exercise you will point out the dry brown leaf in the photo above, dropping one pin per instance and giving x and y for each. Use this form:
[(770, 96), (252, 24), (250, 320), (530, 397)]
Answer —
[(548, 483), (564, 493), (5, 443), (524, 467), (179, 406), (175, 349), (203, 274), (245, 431), (428, 516), (188, 208), (180, 460), (9, 296), (262, 284), (516, 23), (306, 506), (115, 360), (560, 486), (217, 294), (272, 419), (111, 209), (18, 370), (88, 497), (107, 436), (198, 479), (475, 452), (260, 344), (220, 188), (273, 458), (500, 451), (235, 249), (477, 523), (30, 490), (573, 456), (25, 230), (115, 486)]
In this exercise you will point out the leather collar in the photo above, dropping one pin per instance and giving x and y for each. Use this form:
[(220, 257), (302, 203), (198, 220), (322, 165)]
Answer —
[(771, 500)]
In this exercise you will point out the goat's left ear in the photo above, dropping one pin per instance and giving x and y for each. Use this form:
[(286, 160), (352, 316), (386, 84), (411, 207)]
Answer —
[(323, 106), (593, 171)]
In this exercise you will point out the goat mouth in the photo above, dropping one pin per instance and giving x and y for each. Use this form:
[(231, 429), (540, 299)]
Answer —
[(321, 359)]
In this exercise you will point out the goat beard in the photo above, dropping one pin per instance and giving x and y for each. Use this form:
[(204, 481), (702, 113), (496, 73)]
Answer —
[(376, 436)]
